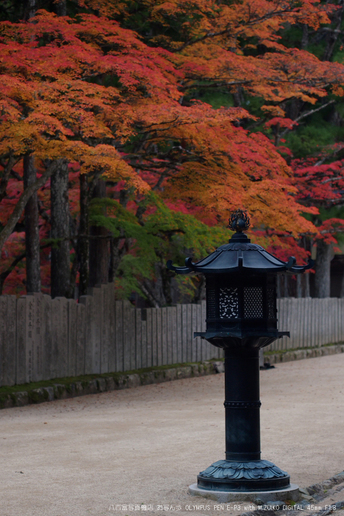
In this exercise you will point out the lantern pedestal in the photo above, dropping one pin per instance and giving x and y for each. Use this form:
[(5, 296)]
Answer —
[(243, 470)]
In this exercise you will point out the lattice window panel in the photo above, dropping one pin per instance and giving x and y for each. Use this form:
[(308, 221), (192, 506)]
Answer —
[(271, 303), (229, 303), (253, 303)]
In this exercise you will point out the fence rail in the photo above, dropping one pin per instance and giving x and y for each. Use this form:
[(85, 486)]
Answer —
[(43, 338)]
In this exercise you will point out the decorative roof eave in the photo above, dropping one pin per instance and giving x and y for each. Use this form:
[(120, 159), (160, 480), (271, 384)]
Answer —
[(289, 266)]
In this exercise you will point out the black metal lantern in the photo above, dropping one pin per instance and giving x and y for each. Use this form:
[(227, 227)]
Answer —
[(241, 319)]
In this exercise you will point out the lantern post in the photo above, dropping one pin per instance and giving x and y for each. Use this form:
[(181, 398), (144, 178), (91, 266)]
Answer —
[(241, 318)]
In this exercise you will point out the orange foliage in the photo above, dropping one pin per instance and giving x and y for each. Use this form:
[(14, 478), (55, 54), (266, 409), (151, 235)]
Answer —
[(93, 92)]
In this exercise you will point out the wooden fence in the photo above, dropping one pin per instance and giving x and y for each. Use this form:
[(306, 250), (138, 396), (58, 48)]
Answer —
[(43, 338), (312, 322)]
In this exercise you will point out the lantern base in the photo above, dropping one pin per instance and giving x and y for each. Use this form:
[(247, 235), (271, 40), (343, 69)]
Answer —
[(255, 475), (289, 494)]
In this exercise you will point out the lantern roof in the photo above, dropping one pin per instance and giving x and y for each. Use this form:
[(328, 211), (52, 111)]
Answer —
[(240, 255)]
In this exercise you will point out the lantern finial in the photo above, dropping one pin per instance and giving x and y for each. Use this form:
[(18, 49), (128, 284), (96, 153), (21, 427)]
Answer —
[(239, 221)]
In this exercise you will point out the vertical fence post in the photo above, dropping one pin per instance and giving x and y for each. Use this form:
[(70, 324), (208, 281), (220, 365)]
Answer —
[(169, 335), (112, 329), (46, 336), (189, 333), (8, 341), (95, 313), (119, 336), (30, 337), (179, 334), (104, 317), (149, 337), (340, 320), (202, 326), (138, 338), (144, 337), (38, 350), (184, 333), (80, 338), (194, 342), (155, 359), (87, 301), (164, 335), (174, 335), (21, 341), (72, 337)]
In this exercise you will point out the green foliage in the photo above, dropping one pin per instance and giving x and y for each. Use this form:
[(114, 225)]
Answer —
[(222, 97), (338, 56), (311, 138), (217, 98), (291, 37), (335, 212), (162, 234), (254, 105), (130, 273), (109, 214), (136, 17)]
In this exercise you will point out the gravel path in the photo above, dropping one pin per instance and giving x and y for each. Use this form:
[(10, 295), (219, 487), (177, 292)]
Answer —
[(102, 454)]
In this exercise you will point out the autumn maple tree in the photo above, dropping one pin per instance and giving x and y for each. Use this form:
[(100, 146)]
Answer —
[(124, 98)]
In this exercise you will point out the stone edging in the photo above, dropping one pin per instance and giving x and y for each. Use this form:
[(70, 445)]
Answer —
[(310, 497), (299, 354), (126, 381), (106, 383)]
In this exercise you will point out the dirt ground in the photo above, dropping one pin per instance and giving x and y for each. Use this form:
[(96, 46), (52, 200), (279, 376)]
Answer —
[(136, 451)]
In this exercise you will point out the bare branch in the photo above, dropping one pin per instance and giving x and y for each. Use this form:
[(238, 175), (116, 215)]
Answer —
[(308, 113), (23, 199), (6, 174), (229, 29)]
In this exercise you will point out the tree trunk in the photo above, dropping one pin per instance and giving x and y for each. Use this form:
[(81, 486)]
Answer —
[(60, 7), (83, 245), (60, 252), (166, 277), (99, 245), (333, 34), (302, 285), (116, 255), (32, 8), (322, 269), (304, 40), (32, 243), (238, 97)]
